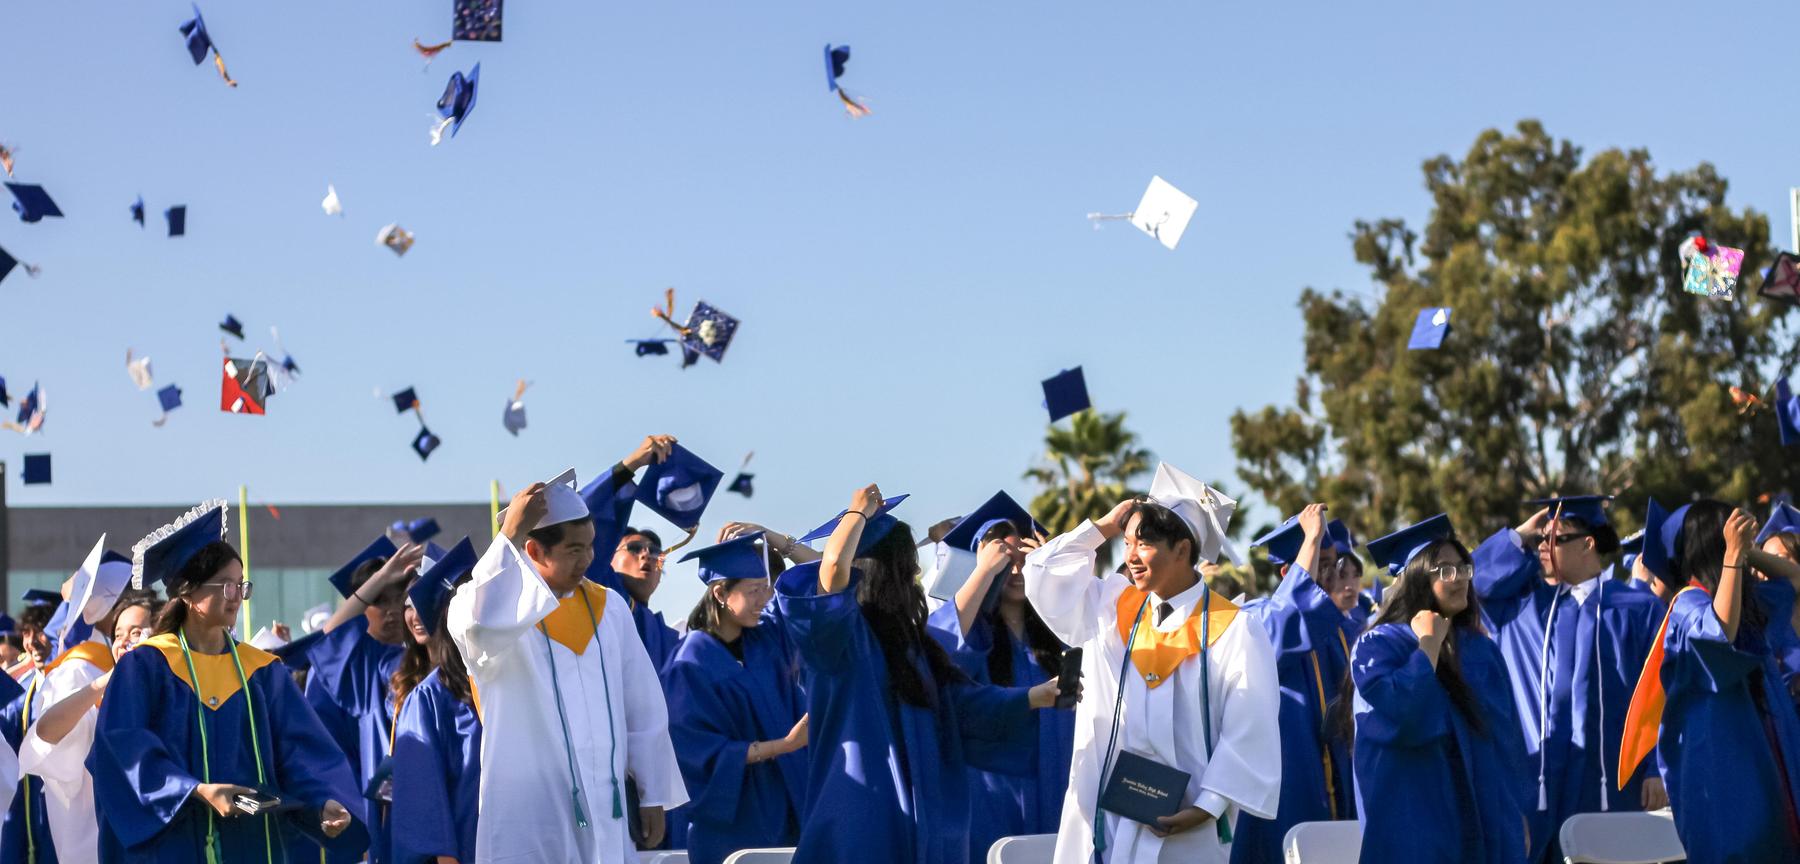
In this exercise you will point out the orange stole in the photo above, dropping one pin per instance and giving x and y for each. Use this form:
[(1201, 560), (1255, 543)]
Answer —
[(1156, 653), (571, 624), (1643, 719), (218, 675)]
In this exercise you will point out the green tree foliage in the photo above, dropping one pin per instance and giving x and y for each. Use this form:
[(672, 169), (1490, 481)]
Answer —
[(1089, 467), (1576, 362)]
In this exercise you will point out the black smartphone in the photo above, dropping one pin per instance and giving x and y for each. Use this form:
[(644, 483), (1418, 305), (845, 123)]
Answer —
[(1068, 682)]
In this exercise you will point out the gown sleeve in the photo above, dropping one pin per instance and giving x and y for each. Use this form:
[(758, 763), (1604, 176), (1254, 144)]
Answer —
[(1294, 611), (1505, 571), (422, 816), (969, 651), (995, 724), (824, 628), (711, 756), (340, 665), (63, 765), (138, 783), (507, 598), (1061, 585), (309, 767), (1396, 682), (1696, 653), (614, 496), (650, 757), (1245, 765)]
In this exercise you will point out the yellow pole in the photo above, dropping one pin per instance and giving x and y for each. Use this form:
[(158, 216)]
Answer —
[(494, 507), (244, 552)]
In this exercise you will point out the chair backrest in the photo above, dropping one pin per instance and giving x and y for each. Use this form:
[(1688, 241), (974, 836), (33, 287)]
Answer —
[(1023, 849), (654, 857), (1621, 838), (1337, 842), (761, 856)]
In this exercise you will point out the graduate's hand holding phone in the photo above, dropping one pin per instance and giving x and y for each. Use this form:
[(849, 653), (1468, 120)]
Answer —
[(527, 507), (1044, 695), (1185, 819), (1113, 523), (1431, 628), (222, 797), (333, 819)]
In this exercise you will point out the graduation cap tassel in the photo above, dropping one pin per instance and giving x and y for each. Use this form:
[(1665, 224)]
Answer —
[(219, 62), (618, 806), (429, 52), (851, 106), (6, 159), (581, 815), (684, 541)]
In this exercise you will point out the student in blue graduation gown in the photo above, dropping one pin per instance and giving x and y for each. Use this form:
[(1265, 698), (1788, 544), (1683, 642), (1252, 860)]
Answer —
[(25, 832), (736, 713), (893, 724), (1572, 689), (1780, 537), (995, 637), (194, 719), (1307, 627), (1440, 766), (437, 744), (1729, 744), (353, 664), (630, 560)]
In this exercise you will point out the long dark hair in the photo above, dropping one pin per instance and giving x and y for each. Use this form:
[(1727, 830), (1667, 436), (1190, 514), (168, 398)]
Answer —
[(415, 661), (894, 606), (1700, 557), (1411, 594), (444, 654), (1046, 649), (205, 564)]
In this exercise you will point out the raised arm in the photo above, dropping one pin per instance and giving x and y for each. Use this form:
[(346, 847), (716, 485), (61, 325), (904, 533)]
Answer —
[(991, 560), (1728, 600), (784, 544), (1060, 581), (840, 547), (394, 571), (1506, 563), (507, 596)]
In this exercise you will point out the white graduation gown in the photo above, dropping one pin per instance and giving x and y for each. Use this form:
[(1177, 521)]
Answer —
[(1164, 724), (68, 790), (525, 806)]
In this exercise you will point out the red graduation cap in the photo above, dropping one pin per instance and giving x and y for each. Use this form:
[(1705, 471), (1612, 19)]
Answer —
[(245, 386)]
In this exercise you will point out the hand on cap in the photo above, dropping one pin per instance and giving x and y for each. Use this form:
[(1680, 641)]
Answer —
[(1312, 521), (867, 500), (994, 556), (1531, 528), (936, 533), (655, 449), (282, 631), (393, 571), (1113, 523), (522, 515), (1740, 535)]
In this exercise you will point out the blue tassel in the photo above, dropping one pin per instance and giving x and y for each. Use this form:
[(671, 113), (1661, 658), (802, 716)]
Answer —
[(618, 808), (580, 817)]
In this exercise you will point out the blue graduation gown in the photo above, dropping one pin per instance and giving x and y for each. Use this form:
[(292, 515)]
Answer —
[(437, 775), (353, 672), (1312, 649), (717, 707), (1430, 787), (15, 718), (1730, 742), (1777, 598), (1003, 805), (1579, 756), (147, 758), (887, 779)]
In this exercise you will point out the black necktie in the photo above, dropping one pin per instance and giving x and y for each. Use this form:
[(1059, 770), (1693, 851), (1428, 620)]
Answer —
[(1162, 611)]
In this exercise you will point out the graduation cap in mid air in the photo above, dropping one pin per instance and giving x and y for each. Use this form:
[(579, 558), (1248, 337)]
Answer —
[(331, 205), (1712, 270), (6, 159), (199, 42), (708, 331), (648, 347), (1782, 282), (456, 103), (8, 262), (32, 203), (32, 409), (139, 370), (477, 21), (425, 442), (1065, 393), (177, 218), (405, 400), (245, 387), (741, 483), (5, 399), (416, 530), (170, 399), (837, 57), (1163, 212), (514, 416), (1429, 329), (137, 211), (37, 469), (394, 237), (233, 326)]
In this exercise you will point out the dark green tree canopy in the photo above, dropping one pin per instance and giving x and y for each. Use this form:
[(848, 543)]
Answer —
[(1576, 363)]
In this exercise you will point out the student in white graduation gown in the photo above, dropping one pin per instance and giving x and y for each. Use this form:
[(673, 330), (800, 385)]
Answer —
[(1211, 713), (570, 703)]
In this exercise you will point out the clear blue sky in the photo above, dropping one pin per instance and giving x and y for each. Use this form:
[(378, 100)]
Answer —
[(904, 280)]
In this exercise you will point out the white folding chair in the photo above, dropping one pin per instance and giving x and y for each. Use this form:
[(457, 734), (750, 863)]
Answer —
[(654, 857), (1621, 838), (1338, 842), (1023, 849), (761, 856)]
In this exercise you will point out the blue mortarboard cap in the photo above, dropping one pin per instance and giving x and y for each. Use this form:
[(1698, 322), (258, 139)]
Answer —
[(513, 418), (31, 202), (1660, 530), (459, 98), (1001, 508), (1782, 281), (169, 397), (1783, 519), (137, 211), (1283, 541), (1341, 538), (8, 627), (28, 406), (1397, 549), (177, 217), (381, 548), (405, 401), (1065, 393), (872, 533), (7, 263), (4, 399), (41, 597), (709, 331), (1588, 508), (233, 326), (433, 586), (1631, 547), (1431, 328), (160, 556), (679, 487), (741, 484), (649, 347), (737, 558), (37, 469), (1787, 414), (836, 58), (477, 20), (420, 530), (198, 43), (425, 442)]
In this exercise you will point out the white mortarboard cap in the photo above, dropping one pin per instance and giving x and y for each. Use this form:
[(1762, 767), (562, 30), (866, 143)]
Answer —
[(267, 640), (331, 205), (313, 619), (1204, 509), (1164, 212), (566, 505), (97, 585)]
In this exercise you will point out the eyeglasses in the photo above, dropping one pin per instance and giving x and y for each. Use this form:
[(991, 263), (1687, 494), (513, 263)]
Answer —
[(639, 547), (1452, 572), (1561, 539), (232, 590)]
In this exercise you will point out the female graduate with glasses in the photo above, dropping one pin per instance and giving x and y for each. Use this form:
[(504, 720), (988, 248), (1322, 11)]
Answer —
[(736, 713), (1440, 764), (893, 723), (204, 750), (995, 637), (437, 729)]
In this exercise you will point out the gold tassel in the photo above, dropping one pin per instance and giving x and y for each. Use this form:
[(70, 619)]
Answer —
[(219, 61), (853, 107)]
